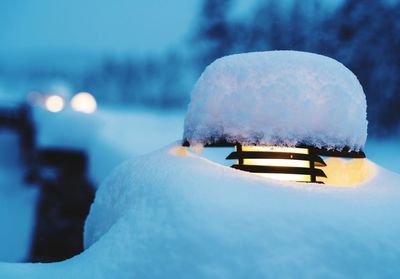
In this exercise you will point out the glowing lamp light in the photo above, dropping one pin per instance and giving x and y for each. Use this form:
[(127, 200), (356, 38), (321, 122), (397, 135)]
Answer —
[(276, 162), (54, 103), (299, 164), (84, 102)]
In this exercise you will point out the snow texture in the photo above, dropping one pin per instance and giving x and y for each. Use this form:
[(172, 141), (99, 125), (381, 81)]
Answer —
[(17, 202), (109, 136), (174, 214), (278, 98)]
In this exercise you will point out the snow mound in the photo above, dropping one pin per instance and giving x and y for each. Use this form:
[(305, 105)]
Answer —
[(278, 98), (174, 214)]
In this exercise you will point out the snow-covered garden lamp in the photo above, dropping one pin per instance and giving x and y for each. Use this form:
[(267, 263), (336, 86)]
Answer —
[(285, 114)]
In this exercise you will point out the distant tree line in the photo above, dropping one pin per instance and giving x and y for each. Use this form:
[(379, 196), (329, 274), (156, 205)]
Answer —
[(150, 81), (363, 35)]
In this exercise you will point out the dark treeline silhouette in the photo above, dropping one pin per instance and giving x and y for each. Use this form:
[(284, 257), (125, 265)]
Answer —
[(363, 35), (150, 81)]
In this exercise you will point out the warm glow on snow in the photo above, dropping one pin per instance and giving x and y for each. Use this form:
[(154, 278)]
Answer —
[(286, 177), (347, 172), (54, 103), (84, 102), (178, 151)]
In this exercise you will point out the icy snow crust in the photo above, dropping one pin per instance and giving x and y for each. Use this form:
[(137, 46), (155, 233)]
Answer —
[(173, 214), (278, 97)]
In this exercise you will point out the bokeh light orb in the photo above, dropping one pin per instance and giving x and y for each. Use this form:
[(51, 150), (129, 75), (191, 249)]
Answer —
[(54, 103), (84, 102)]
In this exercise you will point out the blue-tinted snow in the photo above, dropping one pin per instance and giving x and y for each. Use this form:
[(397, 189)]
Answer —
[(173, 214), (17, 202), (109, 136), (278, 97)]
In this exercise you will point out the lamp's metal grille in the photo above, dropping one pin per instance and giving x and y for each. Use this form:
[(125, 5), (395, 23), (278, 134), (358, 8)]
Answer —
[(300, 163), (295, 164)]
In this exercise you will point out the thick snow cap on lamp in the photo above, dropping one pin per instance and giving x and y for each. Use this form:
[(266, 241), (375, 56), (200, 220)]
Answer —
[(285, 98)]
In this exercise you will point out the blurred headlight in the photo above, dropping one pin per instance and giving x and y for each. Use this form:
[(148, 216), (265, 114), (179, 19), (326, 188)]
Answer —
[(54, 103), (84, 102)]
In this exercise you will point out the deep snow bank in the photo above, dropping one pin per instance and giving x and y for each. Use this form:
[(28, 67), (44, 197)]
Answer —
[(173, 214), (278, 97)]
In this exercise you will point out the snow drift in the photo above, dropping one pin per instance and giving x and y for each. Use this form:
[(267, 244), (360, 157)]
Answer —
[(278, 97), (173, 214)]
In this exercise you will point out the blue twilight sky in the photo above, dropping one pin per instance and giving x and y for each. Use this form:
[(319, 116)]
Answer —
[(99, 26), (94, 25)]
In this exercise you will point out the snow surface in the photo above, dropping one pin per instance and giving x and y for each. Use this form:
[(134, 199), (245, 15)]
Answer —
[(109, 136), (278, 97), (385, 152), (17, 202), (103, 136), (174, 214)]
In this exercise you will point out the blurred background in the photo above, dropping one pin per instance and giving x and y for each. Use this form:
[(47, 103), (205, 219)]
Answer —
[(85, 85)]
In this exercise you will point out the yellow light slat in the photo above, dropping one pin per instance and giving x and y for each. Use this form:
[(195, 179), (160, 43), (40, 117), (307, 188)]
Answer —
[(277, 162), (275, 149)]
